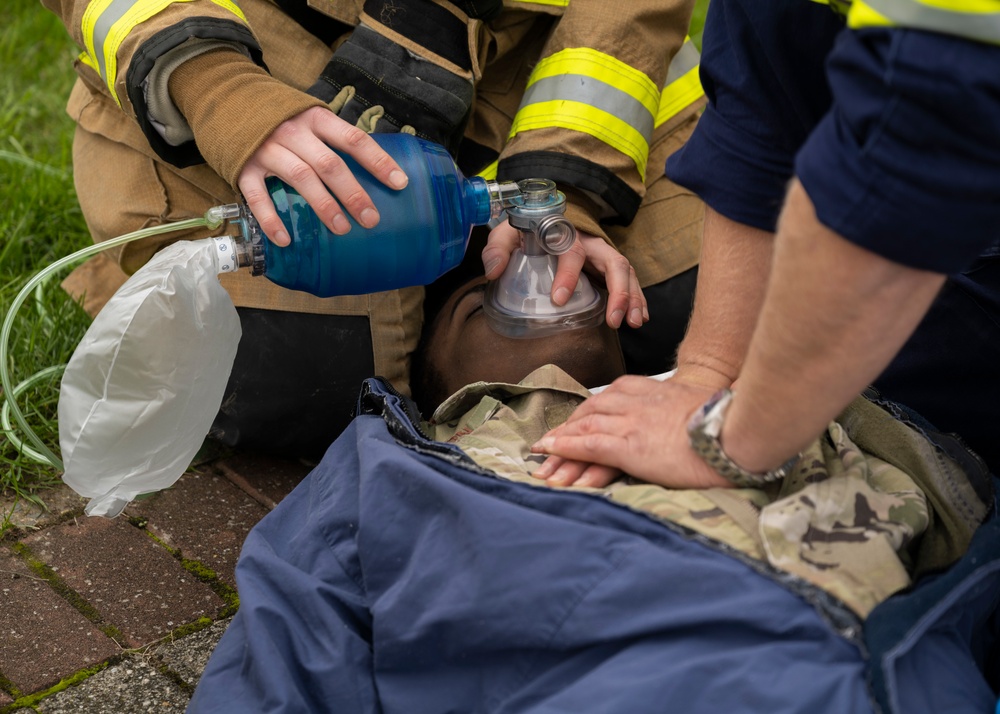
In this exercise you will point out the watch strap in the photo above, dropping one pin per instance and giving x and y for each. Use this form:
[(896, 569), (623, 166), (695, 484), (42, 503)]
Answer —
[(704, 430)]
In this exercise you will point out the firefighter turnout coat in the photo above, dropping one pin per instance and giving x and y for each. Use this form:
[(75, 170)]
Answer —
[(594, 95)]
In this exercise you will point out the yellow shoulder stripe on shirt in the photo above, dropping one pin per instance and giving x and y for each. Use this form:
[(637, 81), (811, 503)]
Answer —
[(973, 19)]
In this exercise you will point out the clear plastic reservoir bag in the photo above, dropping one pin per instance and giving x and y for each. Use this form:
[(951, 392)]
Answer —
[(144, 385)]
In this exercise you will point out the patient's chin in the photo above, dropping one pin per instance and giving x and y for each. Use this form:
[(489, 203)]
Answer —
[(593, 360), (591, 377), (591, 356)]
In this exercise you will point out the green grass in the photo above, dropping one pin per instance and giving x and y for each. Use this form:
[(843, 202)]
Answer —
[(40, 221)]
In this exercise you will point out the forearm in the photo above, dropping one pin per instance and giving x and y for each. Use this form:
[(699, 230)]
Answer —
[(595, 105), (833, 317), (732, 275), (232, 106)]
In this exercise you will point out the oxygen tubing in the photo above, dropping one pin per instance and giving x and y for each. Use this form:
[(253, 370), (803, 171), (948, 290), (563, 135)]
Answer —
[(213, 218)]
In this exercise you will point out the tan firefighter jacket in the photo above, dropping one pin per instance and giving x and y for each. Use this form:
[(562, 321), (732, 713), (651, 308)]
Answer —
[(577, 91), (594, 95)]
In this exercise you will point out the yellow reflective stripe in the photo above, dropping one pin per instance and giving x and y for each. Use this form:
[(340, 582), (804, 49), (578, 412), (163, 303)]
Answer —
[(970, 6), (106, 24), (973, 19), (683, 86), (602, 67), (582, 76), (589, 91), (687, 57), (138, 14), (585, 90), (93, 42), (490, 172), (89, 61), (861, 15), (557, 3), (232, 7), (595, 93), (678, 95), (578, 116)]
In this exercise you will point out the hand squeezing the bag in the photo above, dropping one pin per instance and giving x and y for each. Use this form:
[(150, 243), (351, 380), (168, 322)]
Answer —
[(380, 80)]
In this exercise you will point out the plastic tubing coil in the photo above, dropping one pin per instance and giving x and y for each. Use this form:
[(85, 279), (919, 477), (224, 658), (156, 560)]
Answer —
[(213, 218)]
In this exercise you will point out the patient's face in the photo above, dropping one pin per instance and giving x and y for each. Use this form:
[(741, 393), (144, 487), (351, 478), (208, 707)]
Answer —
[(463, 348)]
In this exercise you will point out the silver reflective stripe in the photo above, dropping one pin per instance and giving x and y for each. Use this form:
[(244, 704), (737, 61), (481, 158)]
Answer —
[(112, 14), (982, 26), (686, 59), (594, 93)]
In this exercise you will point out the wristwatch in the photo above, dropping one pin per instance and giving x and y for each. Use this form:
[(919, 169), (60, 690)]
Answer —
[(704, 428)]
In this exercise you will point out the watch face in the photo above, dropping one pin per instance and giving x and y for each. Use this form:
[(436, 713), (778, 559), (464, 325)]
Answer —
[(704, 429), (706, 421)]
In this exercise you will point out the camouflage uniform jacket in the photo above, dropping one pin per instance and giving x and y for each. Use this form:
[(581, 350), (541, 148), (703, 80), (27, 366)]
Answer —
[(871, 505)]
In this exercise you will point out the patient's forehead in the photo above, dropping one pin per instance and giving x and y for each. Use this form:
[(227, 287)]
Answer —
[(463, 348)]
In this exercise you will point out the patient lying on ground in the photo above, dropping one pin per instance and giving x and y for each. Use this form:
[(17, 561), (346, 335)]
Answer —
[(420, 567)]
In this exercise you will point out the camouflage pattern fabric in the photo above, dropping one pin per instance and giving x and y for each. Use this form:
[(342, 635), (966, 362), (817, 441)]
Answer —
[(860, 523)]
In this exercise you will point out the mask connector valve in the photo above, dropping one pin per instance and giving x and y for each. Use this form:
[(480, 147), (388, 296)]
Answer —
[(250, 242)]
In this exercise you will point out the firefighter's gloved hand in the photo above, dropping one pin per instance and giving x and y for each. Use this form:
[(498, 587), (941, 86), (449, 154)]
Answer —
[(384, 87), (370, 119)]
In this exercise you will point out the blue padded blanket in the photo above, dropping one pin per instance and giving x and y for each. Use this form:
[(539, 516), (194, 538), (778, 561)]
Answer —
[(400, 577)]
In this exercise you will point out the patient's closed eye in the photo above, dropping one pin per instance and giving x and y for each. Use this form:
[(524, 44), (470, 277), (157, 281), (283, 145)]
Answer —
[(475, 293)]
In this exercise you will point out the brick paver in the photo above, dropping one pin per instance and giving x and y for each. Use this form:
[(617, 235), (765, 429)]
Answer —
[(133, 582), (267, 479), (205, 517), (121, 615), (44, 638)]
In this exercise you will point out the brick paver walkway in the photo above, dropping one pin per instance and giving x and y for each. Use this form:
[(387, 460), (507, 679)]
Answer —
[(120, 615)]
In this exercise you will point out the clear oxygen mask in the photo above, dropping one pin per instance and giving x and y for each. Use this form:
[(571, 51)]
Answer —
[(519, 304)]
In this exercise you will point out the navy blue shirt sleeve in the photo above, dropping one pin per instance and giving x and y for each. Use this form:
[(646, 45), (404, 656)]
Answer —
[(891, 131), (762, 69), (907, 163)]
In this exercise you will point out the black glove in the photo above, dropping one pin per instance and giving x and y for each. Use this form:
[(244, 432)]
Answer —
[(479, 9), (384, 87)]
